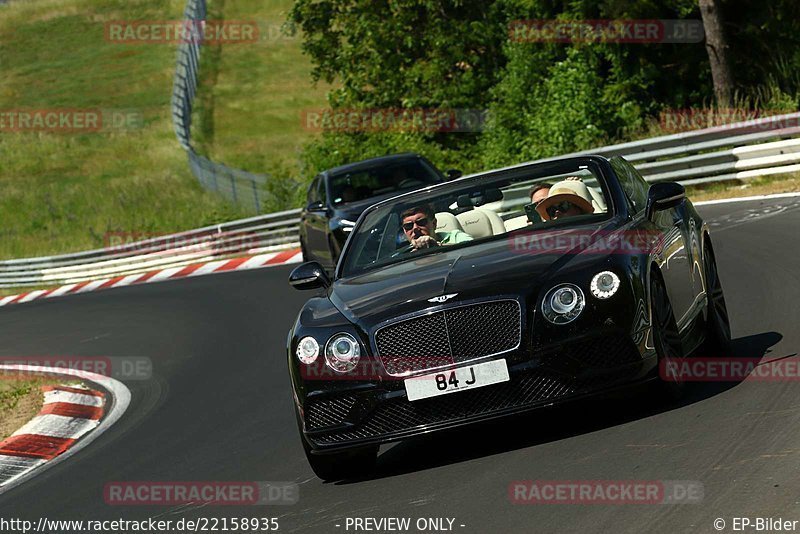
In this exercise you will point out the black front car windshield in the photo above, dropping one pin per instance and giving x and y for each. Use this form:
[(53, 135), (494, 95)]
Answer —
[(361, 184), (477, 209)]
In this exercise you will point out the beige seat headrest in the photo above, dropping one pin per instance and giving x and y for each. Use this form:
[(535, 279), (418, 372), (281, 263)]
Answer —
[(446, 222), (476, 223), (498, 227)]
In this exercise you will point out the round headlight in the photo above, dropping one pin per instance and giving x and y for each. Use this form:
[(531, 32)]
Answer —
[(604, 284), (563, 304), (342, 353), (307, 350)]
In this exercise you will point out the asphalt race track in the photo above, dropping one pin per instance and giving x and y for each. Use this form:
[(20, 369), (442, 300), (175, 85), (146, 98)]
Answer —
[(218, 408)]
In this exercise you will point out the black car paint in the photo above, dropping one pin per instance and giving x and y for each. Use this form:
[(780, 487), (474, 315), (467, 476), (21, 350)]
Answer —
[(360, 304)]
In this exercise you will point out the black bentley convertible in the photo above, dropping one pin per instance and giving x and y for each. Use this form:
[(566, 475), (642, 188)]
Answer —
[(465, 301)]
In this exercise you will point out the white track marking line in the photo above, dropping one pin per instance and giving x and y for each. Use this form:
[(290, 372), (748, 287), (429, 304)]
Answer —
[(117, 403), (745, 199)]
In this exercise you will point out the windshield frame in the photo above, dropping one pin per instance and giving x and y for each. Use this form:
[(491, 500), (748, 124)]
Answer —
[(597, 164), (418, 160)]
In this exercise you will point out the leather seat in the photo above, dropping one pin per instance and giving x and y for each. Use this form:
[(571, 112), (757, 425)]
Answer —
[(516, 223), (481, 223), (598, 202), (447, 222)]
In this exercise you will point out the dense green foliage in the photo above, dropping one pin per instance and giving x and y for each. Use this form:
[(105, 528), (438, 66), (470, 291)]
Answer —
[(543, 98)]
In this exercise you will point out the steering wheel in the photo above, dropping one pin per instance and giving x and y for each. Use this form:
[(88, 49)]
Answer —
[(404, 250)]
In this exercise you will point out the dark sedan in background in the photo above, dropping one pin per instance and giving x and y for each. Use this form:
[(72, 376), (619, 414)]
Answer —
[(611, 283), (337, 197)]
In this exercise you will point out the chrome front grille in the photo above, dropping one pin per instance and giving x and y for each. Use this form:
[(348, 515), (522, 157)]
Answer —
[(452, 335)]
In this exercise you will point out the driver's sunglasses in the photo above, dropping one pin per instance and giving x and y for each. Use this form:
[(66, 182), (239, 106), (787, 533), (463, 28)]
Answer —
[(562, 206), (419, 222)]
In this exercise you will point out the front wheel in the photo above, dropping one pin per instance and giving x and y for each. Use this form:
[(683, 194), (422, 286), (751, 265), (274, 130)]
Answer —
[(667, 342), (718, 327)]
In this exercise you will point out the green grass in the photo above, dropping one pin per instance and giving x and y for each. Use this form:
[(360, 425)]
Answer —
[(62, 192), (252, 96), (20, 399), (761, 185)]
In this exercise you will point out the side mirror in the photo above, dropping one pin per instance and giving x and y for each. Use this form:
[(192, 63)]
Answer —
[(309, 275), (317, 205), (663, 196), (452, 174)]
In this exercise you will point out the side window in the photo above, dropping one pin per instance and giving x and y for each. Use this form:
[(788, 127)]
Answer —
[(312, 191), (632, 183), (322, 194)]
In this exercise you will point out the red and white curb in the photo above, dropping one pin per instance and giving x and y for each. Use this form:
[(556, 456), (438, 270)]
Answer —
[(196, 269), (66, 415), (70, 419)]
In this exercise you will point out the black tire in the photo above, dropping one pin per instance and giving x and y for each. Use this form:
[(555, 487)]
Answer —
[(667, 341), (718, 326)]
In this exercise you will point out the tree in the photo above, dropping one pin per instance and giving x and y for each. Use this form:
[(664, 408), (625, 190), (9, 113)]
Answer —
[(717, 49)]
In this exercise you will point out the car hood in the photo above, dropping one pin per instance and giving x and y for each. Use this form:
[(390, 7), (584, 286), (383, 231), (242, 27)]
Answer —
[(499, 267)]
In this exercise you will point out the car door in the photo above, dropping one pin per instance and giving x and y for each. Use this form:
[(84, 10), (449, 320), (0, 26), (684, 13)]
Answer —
[(676, 253), (314, 221)]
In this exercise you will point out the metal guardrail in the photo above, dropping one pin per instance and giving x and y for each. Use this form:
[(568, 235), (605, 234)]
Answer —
[(241, 187), (738, 151), (255, 235)]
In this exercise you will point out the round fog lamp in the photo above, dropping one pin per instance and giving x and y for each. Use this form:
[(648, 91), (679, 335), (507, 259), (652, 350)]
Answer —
[(604, 284), (307, 350), (563, 304), (342, 353)]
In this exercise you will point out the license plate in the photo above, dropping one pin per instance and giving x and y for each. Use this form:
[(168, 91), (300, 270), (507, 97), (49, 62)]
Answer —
[(460, 379)]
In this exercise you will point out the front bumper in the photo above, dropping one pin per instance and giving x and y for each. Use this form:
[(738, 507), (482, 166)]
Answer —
[(381, 413)]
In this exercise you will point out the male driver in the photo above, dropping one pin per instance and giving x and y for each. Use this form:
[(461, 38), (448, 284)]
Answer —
[(566, 199), (419, 227), (539, 192)]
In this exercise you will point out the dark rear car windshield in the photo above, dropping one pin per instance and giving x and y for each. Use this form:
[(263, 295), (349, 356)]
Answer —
[(361, 184)]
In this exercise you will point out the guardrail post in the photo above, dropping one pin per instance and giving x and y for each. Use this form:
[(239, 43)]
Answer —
[(185, 85), (255, 196)]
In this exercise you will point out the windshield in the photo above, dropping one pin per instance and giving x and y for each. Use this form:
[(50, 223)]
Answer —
[(364, 183), (475, 210)]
